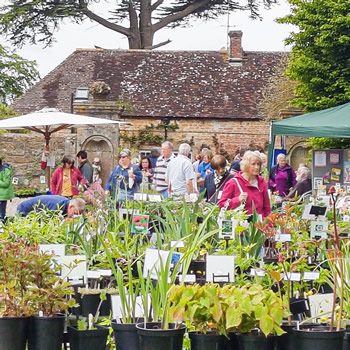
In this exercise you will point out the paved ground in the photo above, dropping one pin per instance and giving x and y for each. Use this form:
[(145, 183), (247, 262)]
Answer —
[(12, 205)]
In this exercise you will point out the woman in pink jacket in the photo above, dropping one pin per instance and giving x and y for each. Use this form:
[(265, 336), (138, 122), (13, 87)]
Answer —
[(67, 180), (247, 187)]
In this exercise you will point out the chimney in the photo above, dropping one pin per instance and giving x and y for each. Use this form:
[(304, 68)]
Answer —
[(236, 51)]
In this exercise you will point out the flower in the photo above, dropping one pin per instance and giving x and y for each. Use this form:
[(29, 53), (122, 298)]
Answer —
[(332, 190)]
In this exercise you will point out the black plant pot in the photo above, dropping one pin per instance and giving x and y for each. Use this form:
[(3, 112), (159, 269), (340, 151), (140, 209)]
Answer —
[(255, 342), (346, 342), (89, 304), (207, 341), (13, 333), (319, 338), (125, 335), (152, 337), (94, 339), (46, 333)]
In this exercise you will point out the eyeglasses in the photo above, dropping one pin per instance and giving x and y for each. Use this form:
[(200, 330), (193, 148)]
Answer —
[(123, 156)]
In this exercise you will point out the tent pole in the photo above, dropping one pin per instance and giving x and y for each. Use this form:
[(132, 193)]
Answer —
[(271, 147)]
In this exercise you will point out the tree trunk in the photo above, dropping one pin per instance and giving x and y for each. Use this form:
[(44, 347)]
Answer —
[(135, 37), (146, 30)]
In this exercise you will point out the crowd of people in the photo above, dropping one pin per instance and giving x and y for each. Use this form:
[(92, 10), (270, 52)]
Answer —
[(243, 183)]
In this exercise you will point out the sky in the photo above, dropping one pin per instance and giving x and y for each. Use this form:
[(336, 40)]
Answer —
[(265, 35)]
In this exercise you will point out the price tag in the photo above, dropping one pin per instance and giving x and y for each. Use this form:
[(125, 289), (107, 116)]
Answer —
[(93, 274), (177, 244), (140, 196), (188, 278), (155, 197), (311, 275), (292, 276), (283, 237), (105, 272), (258, 272), (74, 280)]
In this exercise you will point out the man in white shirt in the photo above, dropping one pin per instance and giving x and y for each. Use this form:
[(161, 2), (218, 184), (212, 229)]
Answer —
[(161, 167), (180, 174)]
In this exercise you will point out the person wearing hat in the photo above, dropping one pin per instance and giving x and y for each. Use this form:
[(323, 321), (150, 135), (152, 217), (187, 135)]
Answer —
[(125, 178)]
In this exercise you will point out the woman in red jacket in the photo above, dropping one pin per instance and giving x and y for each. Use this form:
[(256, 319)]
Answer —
[(247, 187), (67, 180)]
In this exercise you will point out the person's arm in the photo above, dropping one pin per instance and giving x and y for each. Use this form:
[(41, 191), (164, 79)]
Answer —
[(87, 172), (138, 175), (189, 185), (231, 192), (109, 183), (80, 177), (54, 180), (294, 177), (272, 178), (6, 179)]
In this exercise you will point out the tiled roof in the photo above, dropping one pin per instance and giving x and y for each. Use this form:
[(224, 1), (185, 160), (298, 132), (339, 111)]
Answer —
[(178, 84)]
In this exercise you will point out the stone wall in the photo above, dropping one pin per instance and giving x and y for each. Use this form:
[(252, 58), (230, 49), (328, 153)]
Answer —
[(23, 152), (233, 135)]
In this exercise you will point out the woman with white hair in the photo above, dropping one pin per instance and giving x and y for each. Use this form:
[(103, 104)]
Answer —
[(282, 177), (247, 187)]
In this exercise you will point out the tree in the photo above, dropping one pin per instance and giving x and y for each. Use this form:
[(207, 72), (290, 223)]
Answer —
[(320, 59), (36, 21), (279, 93), (16, 75)]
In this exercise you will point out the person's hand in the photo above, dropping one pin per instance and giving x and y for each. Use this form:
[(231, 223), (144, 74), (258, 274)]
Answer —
[(243, 197), (131, 175), (208, 172)]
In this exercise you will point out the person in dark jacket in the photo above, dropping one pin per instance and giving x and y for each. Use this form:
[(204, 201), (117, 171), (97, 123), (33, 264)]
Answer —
[(6, 189), (84, 166), (282, 177), (303, 184), (215, 181), (69, 207)]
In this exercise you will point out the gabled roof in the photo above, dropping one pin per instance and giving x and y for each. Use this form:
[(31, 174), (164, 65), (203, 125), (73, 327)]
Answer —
[(177, 84)]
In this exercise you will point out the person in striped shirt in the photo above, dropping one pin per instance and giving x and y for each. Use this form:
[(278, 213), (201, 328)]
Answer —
[(161, 165)]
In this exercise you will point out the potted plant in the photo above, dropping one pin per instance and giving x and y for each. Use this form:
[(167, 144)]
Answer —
[(15, 297), (99, 89), (204, 310), (331, 337), (50, 297), (89, 335)]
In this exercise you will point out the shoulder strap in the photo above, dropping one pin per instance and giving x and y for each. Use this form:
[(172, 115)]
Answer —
[(239, 185)]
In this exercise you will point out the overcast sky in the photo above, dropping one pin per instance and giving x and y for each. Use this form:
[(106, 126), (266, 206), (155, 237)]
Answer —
[(265, 35)]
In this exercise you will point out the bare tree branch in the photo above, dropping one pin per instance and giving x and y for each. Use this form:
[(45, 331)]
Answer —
[(103, 21), (156, 5), (158, 45)]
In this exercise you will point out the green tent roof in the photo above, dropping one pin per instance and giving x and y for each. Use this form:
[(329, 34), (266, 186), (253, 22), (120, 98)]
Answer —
[(330, 122)]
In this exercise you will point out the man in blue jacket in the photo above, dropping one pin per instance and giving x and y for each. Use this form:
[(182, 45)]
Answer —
[(69, 207)]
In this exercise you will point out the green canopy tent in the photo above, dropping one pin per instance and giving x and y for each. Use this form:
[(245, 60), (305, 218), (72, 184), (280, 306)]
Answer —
[(330, 122)]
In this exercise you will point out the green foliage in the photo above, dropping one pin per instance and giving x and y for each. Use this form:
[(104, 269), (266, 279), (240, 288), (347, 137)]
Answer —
[(320, 57), (149, 135), (16, 76), (228, 308), (29, 283), (328, 143)]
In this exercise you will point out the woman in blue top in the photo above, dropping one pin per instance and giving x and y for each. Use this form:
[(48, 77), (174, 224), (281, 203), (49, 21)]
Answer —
[(204, 169), (125, 178)]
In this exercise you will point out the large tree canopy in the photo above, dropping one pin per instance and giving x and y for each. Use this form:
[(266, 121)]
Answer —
[(320, 60), (36, 21), (16, 75)]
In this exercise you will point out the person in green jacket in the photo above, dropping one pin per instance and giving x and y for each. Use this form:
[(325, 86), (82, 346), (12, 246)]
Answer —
[(6, 189)]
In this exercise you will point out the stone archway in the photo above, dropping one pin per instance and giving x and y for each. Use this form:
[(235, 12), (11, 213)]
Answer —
[(98, 146), (298, 154)]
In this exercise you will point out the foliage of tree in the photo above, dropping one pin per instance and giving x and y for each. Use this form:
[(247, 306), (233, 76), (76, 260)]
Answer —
[(320, 60), (279, 92), (36, 21), (16, 75)]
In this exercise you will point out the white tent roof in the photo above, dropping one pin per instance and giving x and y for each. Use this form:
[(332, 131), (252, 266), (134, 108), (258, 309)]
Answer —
[(51, 120)]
